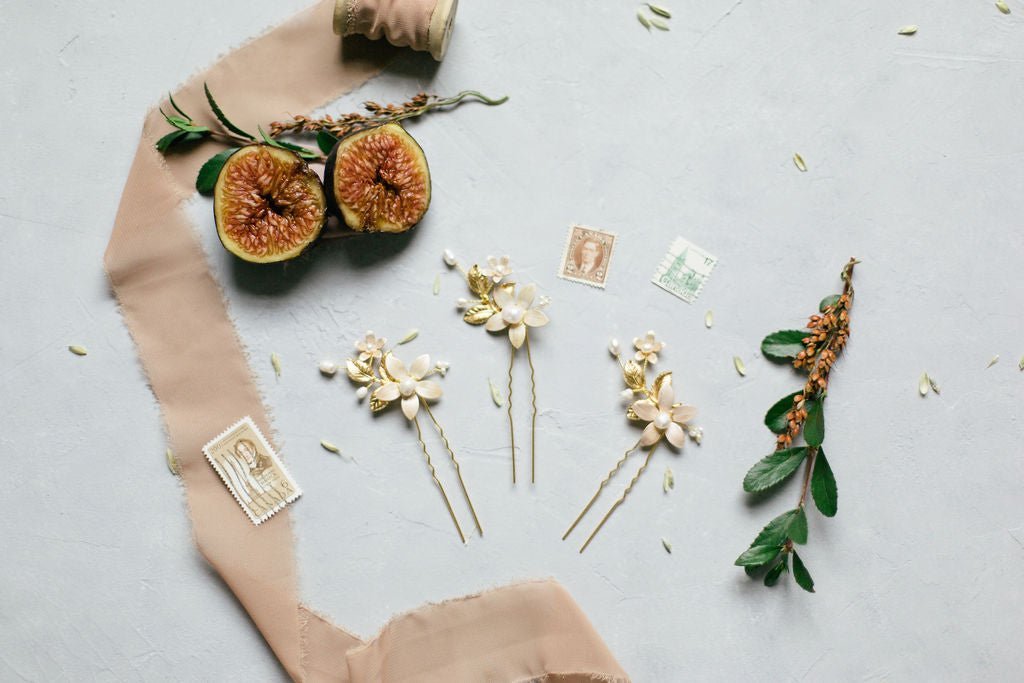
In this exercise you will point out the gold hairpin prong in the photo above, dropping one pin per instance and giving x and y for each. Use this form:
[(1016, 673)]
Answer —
[(511, 425), (455, 462), (604, 482), (618, 502), (533, 414), (433, 474)]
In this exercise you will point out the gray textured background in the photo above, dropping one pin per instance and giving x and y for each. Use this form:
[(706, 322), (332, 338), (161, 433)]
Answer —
[(914, 147)]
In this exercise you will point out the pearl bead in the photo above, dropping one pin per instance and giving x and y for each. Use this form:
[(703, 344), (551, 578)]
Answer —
[(662, 421), (407, 387), (512, 315)]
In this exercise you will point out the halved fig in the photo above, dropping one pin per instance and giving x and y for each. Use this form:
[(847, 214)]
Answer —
[(378, 180), (268, 204)]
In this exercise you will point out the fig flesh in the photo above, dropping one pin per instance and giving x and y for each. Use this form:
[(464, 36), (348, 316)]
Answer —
[(268, 204), (378, 180)]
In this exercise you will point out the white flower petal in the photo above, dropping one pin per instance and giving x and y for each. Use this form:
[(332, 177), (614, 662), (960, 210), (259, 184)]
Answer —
[(428, 389), (495, 323), (502, 297), (666, 396), (517, 335), (651, 435), (388, 392), (645, 410), (420, 366), (395, 367), (652, 358), (535, 318), (410, 405), (684, 413), (675, 435), (526, 296)]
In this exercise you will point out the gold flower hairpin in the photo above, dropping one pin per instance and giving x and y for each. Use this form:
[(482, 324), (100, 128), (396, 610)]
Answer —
[(386, 379), (663, 418), (499, 306)]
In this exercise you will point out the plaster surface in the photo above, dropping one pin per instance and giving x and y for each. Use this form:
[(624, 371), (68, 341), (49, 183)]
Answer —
[(915, 150)]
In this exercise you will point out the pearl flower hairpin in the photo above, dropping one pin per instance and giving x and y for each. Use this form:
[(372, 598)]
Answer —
[(502, 306), (655, 407), (387, 379)]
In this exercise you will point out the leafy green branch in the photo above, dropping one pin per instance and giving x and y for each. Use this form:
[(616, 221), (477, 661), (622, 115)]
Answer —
[(799, 414)]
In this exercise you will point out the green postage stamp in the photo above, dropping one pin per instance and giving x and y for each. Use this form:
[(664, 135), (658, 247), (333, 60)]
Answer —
[(684, 270)]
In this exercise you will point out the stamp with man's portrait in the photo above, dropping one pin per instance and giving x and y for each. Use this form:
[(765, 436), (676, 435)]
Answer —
[(249, 467), (587, 256)]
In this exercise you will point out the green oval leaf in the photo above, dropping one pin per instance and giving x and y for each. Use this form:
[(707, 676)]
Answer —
[(775, 419), (164, 143), (798, 527), (176, 107), (773, 469), (814, 425), (220, 115), (802, 576), (207, 178), (829, 300), (757, 555), (823, 486), (783, 345), (301, 151), (772, 577), (776, 531), (326, 141)]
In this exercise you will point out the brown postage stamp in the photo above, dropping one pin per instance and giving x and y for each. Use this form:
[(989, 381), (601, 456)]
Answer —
[(251, 470), (587, 256)]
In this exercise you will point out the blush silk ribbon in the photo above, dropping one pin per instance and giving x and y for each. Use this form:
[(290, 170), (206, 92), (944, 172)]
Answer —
[(198, 371)]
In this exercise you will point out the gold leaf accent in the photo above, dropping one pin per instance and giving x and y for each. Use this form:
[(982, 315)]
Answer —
[(377, 405), (384, 367), (659, 380), (631, 414), (633, 374), (358, 371), (479, 283), (478, 314)]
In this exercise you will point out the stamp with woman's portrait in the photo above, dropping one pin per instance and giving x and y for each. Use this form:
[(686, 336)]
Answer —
[(249, 467), (587, 256)]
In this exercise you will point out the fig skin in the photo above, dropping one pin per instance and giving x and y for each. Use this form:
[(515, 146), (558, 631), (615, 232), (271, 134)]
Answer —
[(404, 170), (303, 206)]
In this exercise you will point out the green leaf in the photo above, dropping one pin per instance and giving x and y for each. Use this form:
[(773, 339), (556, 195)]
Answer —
[(207, 178), (823, 486), (326, 141), (757, 555), (164, 143), (829, 300), (783, 345), (798, 527), (772, 577), (301, 151), (775, 419), (176, 107), (188, 126), (814, 425), (773, 469), (778, 530), (221, 117), (802, 576)]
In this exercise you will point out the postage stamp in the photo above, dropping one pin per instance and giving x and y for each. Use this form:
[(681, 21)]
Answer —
[(684, 270), (251, 470), (587, 255)]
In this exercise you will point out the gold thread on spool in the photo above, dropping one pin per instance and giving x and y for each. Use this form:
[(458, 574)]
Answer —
[(406, 23)]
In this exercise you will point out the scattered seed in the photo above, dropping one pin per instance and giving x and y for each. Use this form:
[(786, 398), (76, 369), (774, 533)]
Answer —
[(78, 350), (799, 161), (412, 334), (669, 482), (495, 393), (275, 360), (328, 446), (908, 30), (1002, 7), (740, 367), (933, 384), (172, 463), (437, 284), (923, 384), (995, 359), (1020, 365), (662, 11), (709, 319), (658, 24), (643, 20), (668, 546), (328, 368)]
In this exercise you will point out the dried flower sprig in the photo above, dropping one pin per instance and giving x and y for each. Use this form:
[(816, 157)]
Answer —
[(656, 408), (386, 380), (499, 306), (379, 114), (813, 351)]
